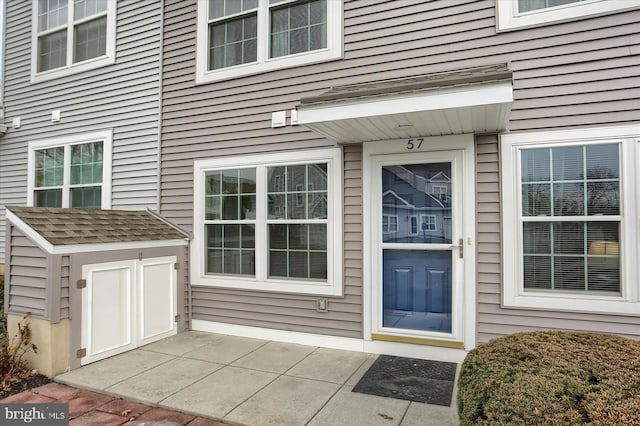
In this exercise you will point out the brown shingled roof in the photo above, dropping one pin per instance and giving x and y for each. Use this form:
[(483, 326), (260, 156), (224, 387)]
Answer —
[(88, 226)]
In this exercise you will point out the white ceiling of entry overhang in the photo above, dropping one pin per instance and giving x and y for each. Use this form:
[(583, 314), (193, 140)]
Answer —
[(465, 101)]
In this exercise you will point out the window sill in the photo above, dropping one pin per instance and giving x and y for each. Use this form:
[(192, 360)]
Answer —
[(509, 19), (244, 70), (288, 286), (103, 61), (573, 303)]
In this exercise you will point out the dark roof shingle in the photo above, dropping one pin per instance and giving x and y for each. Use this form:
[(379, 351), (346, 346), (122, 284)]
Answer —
[(88, 226)]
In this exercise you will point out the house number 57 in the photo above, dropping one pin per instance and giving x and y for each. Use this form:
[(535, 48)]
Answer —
[(414, 143)]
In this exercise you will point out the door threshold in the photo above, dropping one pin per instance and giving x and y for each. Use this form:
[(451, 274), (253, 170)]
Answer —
[(417, 341)]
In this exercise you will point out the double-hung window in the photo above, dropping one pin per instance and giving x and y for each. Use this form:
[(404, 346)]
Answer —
[(237, 37), (269, 222), (514, 14), (71, 172), (71, 36), (570, 209)]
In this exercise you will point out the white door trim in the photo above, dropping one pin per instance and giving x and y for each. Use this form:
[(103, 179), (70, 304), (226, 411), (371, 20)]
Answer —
[(372, 153)]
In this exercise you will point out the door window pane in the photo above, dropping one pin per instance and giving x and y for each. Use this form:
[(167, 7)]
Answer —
[(418, 196), (416, 290)]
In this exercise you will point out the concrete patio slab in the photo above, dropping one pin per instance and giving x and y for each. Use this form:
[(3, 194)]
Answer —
[(226, 349), (102, 374), (286, 401), (355, 377), (182, 343), (244, 381), (353, 409), (220, 392), (420, 414), (156, 384), (274, 357), (329, 365)]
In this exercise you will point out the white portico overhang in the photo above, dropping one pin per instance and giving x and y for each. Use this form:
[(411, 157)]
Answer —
[(474, 100)]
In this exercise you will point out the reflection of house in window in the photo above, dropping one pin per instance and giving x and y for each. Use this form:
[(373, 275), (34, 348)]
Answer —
[(415, 203), (389, 223), (441, 192), (428, 222)]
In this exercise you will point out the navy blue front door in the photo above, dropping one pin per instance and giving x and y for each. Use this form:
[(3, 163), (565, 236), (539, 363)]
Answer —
[(416, 247)]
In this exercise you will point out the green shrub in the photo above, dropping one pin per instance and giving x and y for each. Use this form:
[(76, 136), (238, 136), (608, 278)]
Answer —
[(552, 378)]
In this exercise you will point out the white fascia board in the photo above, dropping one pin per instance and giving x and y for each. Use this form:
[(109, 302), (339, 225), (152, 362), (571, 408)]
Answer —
[(29, 231), (34, 236), (130, 245), (446, 98)]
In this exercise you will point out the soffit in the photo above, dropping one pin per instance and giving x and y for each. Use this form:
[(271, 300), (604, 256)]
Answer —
[(474, 100)]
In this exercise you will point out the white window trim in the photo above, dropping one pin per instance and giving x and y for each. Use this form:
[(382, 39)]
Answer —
[(513, 291), (510, 19), (264, 63), (106, 137), (70, 68), (333, 285)]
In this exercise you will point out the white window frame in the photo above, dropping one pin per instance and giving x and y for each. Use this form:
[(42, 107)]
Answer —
[(261, 281), (264, 63), (514, 295), (106, 137), (510, 19), (72, 68)]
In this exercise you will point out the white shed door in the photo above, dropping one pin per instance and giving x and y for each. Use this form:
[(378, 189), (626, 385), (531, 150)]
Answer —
[(127, 304), (157, 295)]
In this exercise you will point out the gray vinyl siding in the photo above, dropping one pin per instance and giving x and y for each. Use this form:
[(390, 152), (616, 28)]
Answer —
[(65, 270), (123, 97), (494, 320), (573, 74), (26, 277), (297, 312)]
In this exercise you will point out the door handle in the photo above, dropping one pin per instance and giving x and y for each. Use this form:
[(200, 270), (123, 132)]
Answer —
[(460, 248)]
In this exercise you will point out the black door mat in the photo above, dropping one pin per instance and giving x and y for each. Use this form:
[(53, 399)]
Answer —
[(412, 379)]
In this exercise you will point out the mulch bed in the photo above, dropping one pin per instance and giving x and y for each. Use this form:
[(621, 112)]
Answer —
[(25, 384)]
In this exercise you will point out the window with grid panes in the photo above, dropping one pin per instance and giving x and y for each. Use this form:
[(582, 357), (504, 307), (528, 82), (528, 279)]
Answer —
[(571, 218), (268, 224), (84, 174), (569, 210), (517, 14), (71, 32), (259, 35)]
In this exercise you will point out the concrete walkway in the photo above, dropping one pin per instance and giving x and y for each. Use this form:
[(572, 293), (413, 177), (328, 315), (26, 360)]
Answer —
[(252, 382)]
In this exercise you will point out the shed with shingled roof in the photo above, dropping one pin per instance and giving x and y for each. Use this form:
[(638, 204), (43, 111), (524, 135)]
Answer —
[(52, 254)]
